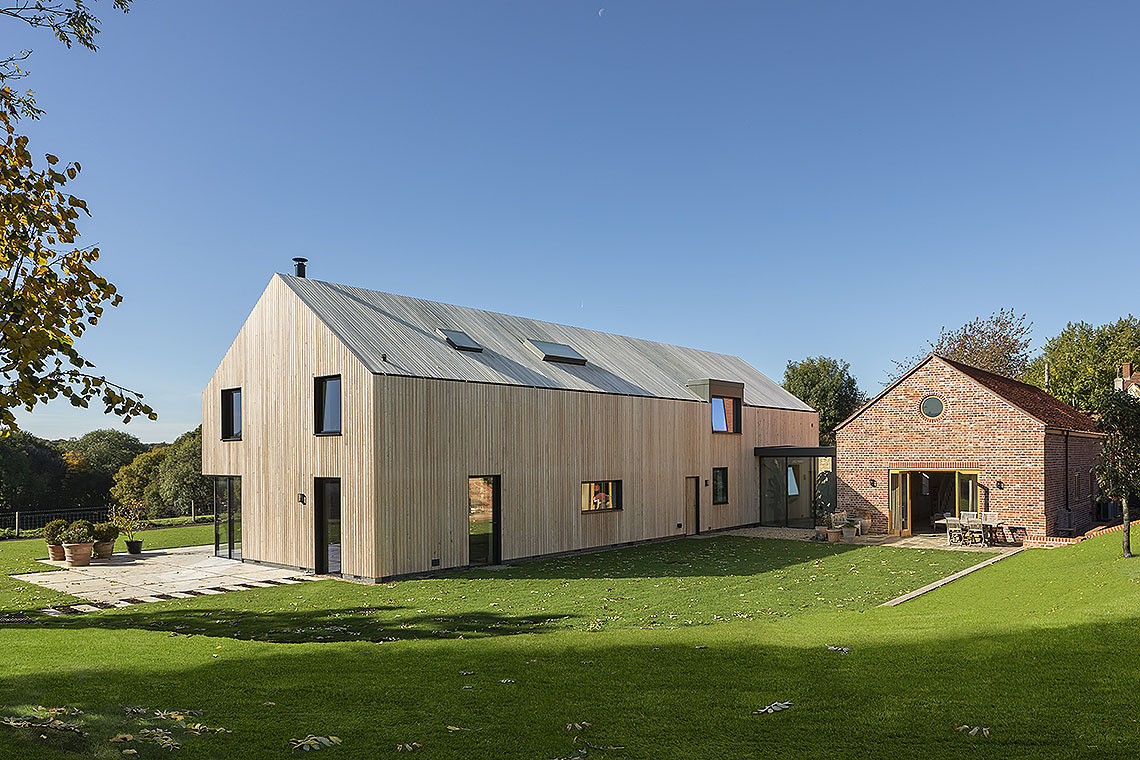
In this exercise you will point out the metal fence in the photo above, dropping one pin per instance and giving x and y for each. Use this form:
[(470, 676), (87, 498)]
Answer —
[(26, 521)]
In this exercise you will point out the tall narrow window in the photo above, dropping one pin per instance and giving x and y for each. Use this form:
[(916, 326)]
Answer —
[(601, 495), (231, 414), (328, 405), (725, 414), (720, 485)]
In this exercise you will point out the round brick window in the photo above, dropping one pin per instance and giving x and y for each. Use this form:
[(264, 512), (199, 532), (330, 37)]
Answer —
[(932, 407)]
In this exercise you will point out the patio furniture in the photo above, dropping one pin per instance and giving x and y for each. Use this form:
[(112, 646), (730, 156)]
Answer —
[(838, 519), (975, 532), (991, 525), (954, 531), (969, 515)]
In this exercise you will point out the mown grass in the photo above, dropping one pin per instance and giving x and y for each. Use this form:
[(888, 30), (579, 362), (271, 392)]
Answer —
[(1038, 648)]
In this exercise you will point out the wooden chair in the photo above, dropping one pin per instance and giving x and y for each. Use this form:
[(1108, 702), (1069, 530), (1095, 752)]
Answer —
[(838, 519), (954, 531), (975, 531)]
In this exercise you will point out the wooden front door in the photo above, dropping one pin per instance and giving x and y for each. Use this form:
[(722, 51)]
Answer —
[(692, 506)]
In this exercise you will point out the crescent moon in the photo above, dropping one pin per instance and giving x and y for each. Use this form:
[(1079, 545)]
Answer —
[(601, 11)]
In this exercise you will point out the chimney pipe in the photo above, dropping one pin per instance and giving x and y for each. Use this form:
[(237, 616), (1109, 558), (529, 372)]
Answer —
[(299, 264)]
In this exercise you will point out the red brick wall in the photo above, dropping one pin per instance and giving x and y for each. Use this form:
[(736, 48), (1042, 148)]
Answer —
[(977, 431), (1084, 455)]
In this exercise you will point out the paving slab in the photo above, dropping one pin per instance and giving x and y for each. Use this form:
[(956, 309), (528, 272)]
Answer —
[(155, 575)]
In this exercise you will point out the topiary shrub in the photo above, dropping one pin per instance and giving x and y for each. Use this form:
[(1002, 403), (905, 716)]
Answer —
[(53, 530), (105, 531), (80, 532)]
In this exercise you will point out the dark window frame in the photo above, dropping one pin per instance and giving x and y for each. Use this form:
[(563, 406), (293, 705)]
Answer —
[(736, 417), (714, 487), (616, 501), (227, 431), (320, 387)]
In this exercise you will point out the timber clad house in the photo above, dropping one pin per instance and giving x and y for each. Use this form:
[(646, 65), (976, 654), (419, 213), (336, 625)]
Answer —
[(949, 438), (374, 435)]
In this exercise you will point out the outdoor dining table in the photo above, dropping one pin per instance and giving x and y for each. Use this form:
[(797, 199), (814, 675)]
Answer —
[(990, 526)]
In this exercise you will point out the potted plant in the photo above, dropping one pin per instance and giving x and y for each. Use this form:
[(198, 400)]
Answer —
[(52, 532), (105, 535), (78, 541), (864, 525), (833, 535), (848, 528), (129, 517)]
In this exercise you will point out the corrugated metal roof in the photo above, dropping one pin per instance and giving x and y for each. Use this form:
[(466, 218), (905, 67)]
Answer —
[(403, 331)]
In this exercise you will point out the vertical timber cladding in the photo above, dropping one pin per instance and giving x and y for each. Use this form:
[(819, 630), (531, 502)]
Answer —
[(431, 435), (274, 360)]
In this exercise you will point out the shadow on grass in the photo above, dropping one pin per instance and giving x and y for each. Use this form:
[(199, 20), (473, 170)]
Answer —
[(514, 698), (678, 558), (352, 624)]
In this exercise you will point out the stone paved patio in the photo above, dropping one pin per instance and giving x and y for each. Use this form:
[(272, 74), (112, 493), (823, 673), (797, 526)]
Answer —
[(158, 574)]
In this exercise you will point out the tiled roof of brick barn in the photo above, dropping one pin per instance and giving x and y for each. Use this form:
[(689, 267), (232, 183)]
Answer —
[(1029, 398)]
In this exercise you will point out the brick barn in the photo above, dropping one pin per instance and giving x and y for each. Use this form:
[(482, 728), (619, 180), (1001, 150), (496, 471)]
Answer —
[(949, 438)]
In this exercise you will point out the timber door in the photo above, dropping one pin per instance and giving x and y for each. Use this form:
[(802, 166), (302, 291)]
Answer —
[(484, 534), (692, 506), (328, 528), (900, 504)]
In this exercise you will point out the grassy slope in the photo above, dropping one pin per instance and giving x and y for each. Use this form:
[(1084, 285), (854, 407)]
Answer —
[(1036, 647)]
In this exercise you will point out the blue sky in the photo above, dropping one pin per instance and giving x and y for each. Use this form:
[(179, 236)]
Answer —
[(771, 180)]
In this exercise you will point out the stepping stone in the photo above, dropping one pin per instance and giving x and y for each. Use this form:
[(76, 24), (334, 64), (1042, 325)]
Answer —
[(125, 602), (204, 591), (51, 611), (150, 599), (272, 582), (288, 580), (258, 584), (86, 608), (179, 595), (67, 610)]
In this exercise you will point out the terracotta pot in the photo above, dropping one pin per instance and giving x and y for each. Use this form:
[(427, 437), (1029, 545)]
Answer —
[(134, 547), (833, 535), (78, 555), (55, 552), (104, 549)]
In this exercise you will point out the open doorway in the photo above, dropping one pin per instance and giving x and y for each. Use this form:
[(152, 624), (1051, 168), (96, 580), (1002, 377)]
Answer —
[(932, 496), (919, 498)]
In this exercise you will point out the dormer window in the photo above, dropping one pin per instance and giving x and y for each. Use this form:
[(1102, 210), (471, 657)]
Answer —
[(725, 414)]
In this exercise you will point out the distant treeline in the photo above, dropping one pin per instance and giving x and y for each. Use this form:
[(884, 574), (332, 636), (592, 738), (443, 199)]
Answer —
[(100, 468)]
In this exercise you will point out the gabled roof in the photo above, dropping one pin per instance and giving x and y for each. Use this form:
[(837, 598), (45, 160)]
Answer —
[(398, 335), (1028, 398)]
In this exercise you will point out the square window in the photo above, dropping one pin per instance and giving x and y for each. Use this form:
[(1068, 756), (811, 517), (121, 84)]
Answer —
[(725, 414), (231, 414), (328, 405), (720, 485), (601, 496)]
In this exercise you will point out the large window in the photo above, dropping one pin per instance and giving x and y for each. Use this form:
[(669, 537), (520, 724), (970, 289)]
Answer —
[(601, 495), (725, 414), (328, 405), (796, 491), (227, 517), (231, 414), (720, 485)]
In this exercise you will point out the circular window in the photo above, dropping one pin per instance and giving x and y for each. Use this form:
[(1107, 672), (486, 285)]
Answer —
[(932, 407)]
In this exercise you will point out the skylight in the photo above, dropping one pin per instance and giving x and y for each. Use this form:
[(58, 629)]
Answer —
[(556, 352), (460, 340)]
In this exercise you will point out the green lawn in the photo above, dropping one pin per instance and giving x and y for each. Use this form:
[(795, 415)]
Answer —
[(665, 649)]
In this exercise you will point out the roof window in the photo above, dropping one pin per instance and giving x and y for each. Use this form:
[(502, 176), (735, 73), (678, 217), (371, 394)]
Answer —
[(460, 340), (555, 352)]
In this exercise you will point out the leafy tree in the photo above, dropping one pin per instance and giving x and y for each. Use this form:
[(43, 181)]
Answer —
[(1119, 472), (180, 479), (139, 480), (49, 292), (999, 344), (106, 451), (1083, 359), (31, 473), (827, 385), (82, 485)]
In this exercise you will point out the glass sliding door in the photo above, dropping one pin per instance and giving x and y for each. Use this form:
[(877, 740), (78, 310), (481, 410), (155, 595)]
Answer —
[(967, 492), (900, 504), (801, 484), (483, 533), (227, 517), (773, 496), (328, 527)]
